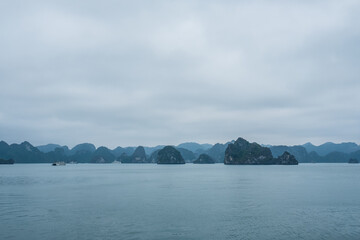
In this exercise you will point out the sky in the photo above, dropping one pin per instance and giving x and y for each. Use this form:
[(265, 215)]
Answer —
[(128, 73)]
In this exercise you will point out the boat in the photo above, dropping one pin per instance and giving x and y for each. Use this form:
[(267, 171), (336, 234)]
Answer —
[(58, 163)]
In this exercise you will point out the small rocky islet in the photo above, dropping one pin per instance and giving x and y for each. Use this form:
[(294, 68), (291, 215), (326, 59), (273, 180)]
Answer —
[(286, 159)]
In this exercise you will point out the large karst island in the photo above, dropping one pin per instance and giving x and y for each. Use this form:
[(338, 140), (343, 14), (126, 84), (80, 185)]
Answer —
[(242, 152)]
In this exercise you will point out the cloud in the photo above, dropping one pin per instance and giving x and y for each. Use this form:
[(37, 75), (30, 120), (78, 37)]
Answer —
[(140, 73)]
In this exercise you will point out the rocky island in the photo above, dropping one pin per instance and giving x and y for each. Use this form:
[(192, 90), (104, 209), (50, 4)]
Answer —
[(169, 155), (242, 152), (204, 159), (353, 160), (9, 161)]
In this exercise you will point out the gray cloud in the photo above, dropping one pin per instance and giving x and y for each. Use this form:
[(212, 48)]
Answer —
[(162, 72)]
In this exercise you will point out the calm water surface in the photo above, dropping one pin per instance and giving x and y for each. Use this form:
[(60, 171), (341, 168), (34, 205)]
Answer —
[(133, 201)]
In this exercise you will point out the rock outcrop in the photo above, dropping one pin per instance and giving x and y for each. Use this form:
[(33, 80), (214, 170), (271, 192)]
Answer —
[(204, 159), (169, 155), (286, 159)]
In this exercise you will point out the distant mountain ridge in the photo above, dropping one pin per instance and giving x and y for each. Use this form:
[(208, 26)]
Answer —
[(307, 153), (195, 147), (217, 152), (326, 148), (48, 147), (190, 151)]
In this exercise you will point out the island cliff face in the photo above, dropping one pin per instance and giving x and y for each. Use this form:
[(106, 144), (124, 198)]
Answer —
[(241, 152), (169, 155), (204, 159), (139, 155)]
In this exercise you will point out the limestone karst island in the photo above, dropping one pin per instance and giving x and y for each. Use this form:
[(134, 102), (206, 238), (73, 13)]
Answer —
[(239, 152)]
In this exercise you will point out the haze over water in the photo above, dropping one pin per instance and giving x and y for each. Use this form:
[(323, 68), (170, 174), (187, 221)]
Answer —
[(131, 201)]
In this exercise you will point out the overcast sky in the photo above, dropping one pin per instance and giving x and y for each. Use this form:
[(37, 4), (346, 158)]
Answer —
[(119, 73)]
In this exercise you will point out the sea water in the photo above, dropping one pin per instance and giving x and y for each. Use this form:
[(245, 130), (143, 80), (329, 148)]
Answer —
[(149, 201)]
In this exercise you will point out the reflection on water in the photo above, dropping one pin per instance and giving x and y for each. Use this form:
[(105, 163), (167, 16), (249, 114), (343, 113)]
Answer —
[(125, 201)]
